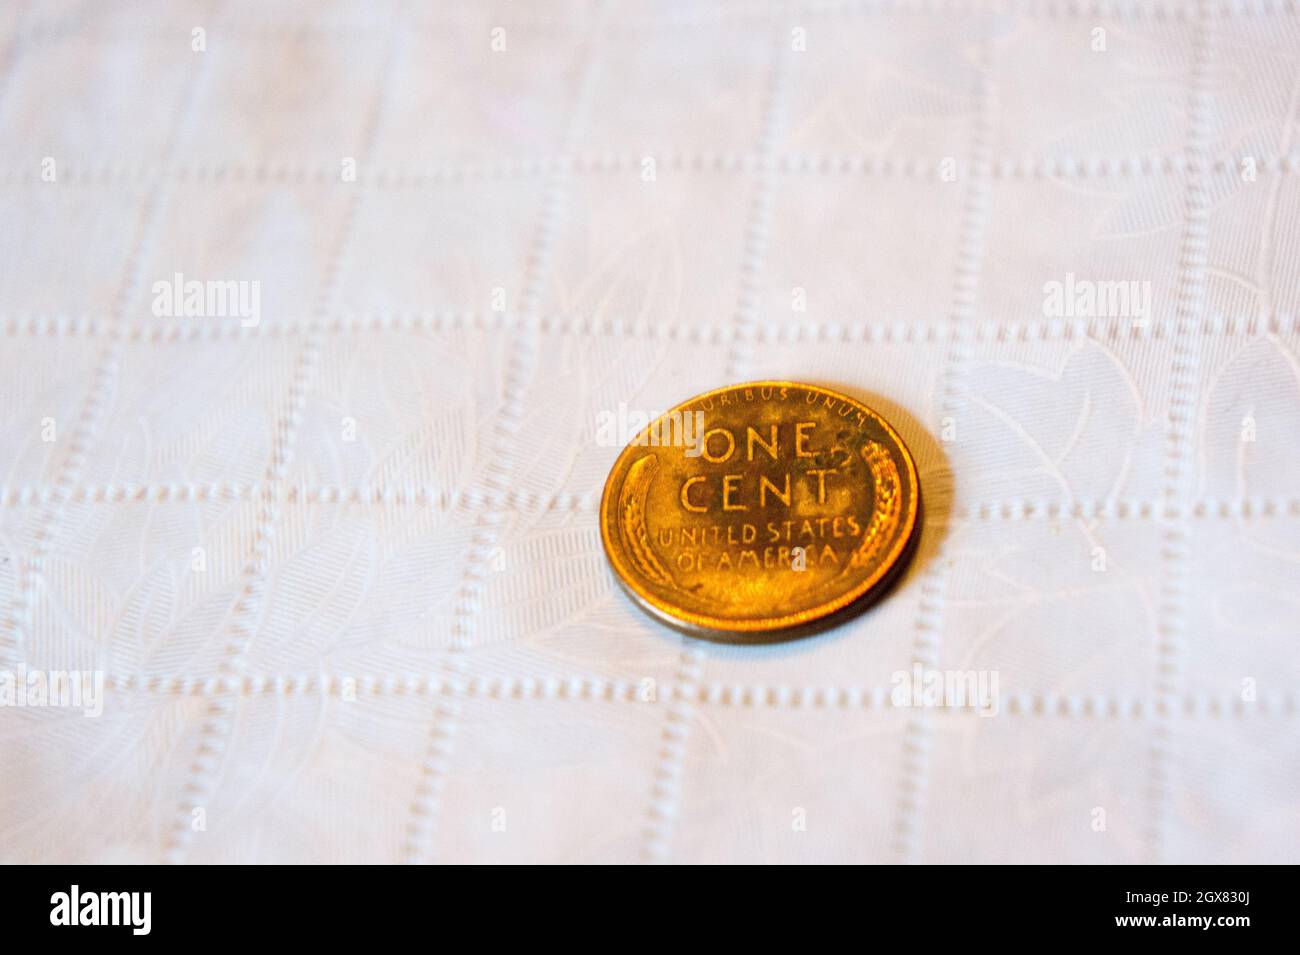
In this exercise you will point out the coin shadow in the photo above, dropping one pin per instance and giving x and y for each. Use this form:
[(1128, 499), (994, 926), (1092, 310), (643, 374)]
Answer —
[(936, 498)]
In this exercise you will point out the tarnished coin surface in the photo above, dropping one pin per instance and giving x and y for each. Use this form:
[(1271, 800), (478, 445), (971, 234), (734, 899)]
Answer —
[(760, 511)]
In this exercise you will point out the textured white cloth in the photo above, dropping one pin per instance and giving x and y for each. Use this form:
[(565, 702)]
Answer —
[(341, 569)]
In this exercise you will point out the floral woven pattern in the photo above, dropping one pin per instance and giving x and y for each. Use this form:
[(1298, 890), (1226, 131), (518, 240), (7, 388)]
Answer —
[(329, 533)]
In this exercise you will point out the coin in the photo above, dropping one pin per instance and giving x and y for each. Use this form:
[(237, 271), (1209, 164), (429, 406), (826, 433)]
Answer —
[(760, 511)]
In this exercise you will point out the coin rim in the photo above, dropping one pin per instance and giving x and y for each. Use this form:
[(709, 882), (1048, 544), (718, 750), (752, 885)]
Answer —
[(677, 617)]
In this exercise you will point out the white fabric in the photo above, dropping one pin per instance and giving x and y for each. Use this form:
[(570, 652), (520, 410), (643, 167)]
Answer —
[(341, 570)]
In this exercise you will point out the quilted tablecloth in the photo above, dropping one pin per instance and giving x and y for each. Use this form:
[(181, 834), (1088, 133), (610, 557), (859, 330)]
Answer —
[(311, 315)]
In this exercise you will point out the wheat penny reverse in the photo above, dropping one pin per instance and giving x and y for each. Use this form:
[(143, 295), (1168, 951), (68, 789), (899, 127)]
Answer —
[(760, 511)]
